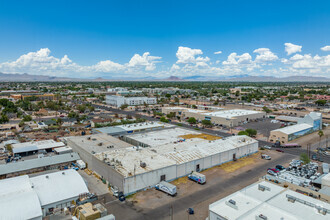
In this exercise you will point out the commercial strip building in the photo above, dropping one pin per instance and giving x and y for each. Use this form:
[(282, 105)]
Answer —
[(131, 128), (309, 124), (229, 118), (147, 158), (37, 165), (118, 101), (25, 197), (266, 200), (35, 146)]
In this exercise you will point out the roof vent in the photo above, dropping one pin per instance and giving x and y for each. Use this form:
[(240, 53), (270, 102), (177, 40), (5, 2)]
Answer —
[(47, 177), (261, 217), (231, 203), (63, 173), (143, 164)]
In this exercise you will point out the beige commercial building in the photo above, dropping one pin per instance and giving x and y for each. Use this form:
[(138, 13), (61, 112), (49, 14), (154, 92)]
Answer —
[(229, 118)]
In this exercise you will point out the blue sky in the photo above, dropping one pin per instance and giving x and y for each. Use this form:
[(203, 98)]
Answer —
[(163, 38)]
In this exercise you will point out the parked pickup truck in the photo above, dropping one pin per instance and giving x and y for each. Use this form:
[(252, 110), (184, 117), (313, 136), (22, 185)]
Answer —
[(166, 187), (197, 177)]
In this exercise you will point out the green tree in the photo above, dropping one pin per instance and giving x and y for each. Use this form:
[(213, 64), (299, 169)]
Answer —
[(192, 120), (243, 133), (163, 119), (122, 107), (321, 134), (27, 118), (267, 110), (4, 119), (207, 123), (251, 132), (304, 158), (320, 102)]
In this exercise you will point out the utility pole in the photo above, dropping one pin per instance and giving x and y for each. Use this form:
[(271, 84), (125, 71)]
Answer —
[(171, 212)]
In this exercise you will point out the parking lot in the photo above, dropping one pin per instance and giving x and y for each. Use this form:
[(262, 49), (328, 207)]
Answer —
[(263, 126)]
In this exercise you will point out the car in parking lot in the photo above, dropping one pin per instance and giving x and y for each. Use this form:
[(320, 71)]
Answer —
[(265, 156), (279, 150), (272, 171), (314, 157), (267, 147), (280, 167)]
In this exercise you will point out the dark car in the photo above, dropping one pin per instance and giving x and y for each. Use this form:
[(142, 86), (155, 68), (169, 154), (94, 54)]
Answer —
[(191, 211), (314, 157), (279, 150), (280, 167)]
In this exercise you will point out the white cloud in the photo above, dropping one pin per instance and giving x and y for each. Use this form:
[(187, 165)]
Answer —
[(41, 62), (264, 55), (146, 61), (325, 48), (234, 59), (218, 52), (292, 48), (188, 55)]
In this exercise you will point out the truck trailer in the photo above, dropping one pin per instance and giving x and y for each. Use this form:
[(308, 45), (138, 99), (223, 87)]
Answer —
[(166, 187), (197, 177)]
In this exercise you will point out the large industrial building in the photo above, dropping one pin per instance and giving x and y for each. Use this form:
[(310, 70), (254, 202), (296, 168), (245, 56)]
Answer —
[(265, 200), (118, 101), (229, 118), (147, 158), (310, 123), (131, 128), (27, 197)]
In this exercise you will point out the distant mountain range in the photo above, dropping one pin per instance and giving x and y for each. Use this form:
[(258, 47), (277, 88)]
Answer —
[(237, 78)]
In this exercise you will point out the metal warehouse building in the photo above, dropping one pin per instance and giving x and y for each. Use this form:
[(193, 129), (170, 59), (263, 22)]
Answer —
[(131, 128), (163, 155)]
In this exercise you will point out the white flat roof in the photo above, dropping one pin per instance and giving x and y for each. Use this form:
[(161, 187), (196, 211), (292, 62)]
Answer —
[(271, 203), (301, 211), (97, 143), (232, 113), (58, 186), (127, 161), (186, 109), (18, 200), (168, 148), (244, 204), (294, 128), (144, 125), (35, 145)]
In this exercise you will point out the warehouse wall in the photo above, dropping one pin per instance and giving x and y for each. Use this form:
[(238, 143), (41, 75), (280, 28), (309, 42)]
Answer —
[(101, 168), (149, 179)]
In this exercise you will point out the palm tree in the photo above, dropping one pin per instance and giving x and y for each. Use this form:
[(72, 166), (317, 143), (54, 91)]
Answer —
[(320, 133)]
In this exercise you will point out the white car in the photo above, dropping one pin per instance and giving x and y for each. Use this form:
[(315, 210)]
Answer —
[(271, 172), (267, 147), (266, 157)]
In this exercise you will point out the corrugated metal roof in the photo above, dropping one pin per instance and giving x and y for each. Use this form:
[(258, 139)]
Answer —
[(38, 162)]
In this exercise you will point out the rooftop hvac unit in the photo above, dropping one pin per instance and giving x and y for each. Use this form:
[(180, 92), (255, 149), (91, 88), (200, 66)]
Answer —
[(143, 164), (100, 144), (261, 217), (233, 202)]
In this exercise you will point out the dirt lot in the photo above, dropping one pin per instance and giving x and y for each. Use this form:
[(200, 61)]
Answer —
[(151, 199)]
